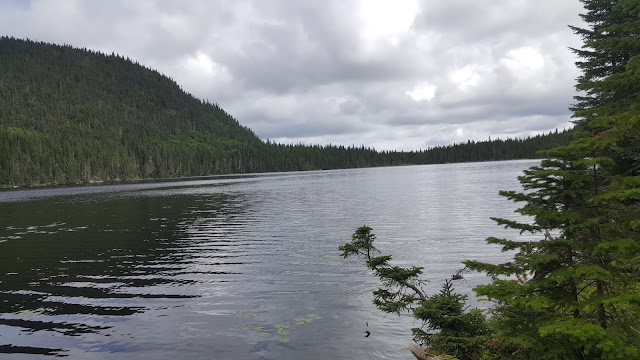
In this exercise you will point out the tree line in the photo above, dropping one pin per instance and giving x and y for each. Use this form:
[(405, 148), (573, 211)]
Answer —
[(71, 115)]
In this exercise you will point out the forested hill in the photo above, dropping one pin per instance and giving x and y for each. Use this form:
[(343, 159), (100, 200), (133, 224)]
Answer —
[(70, 115)]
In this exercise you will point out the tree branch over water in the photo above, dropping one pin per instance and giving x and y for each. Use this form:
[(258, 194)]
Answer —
[(449, 329)]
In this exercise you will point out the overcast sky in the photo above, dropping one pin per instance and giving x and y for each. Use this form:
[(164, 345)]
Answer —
[(390, 74)]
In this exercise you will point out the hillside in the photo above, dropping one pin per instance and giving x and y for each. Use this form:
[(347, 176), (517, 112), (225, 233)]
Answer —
[(72, 115), (69, 115)]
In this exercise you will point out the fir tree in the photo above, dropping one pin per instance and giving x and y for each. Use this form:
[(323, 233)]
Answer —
[(604, 18), (447, 327), (582, 300)]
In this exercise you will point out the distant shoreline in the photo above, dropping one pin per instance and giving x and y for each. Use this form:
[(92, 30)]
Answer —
[(214, 176)]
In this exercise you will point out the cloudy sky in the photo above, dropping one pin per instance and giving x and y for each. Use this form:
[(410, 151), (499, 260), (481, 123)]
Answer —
[(390, 74)]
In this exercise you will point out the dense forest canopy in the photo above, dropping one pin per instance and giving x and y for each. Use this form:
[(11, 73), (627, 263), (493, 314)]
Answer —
[(72, 115)]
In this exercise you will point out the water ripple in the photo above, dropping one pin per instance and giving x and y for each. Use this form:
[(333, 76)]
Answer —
[(163, 269)]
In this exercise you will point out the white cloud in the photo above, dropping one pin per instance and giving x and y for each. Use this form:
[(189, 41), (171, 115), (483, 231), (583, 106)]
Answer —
[(421, 92), (386, 19), (466, 77), (524, 61), (200, 75)]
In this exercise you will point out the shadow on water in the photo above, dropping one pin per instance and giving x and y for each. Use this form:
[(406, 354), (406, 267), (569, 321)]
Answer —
[(10, 349), (75, 266)]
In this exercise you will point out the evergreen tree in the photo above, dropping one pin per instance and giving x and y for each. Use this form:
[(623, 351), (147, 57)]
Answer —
[(447, 327), (578, 296), (610, 40)]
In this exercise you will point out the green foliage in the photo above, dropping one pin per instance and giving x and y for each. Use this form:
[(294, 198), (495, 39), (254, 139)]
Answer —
[(451, 329), (583, 204), (361, 244), (74, 116), (70, 115), (447, 327)]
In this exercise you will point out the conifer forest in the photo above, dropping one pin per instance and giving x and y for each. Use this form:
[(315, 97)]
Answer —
[(72, 115)]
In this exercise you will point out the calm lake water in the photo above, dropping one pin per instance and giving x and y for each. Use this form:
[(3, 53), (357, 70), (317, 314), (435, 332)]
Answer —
[(235, 267)]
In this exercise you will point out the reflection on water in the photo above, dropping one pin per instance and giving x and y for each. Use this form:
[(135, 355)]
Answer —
[(234, 267)]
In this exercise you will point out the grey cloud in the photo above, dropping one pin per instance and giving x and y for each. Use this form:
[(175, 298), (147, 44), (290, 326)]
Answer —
[(497, 20), (350, 107), (270, 128)]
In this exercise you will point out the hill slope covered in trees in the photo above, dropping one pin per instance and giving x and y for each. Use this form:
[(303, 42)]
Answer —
[(72, 115)]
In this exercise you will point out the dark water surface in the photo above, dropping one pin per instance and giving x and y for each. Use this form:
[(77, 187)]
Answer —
[(242, 267)]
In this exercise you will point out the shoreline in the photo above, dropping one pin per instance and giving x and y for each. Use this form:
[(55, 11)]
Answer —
[(98, 181)]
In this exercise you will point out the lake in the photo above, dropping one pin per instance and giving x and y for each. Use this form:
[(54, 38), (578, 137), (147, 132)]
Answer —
[(236, 267)]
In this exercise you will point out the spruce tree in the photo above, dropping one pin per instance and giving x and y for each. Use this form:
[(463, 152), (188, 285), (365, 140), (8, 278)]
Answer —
[(577, 293), (604, 18), (447, 327)]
